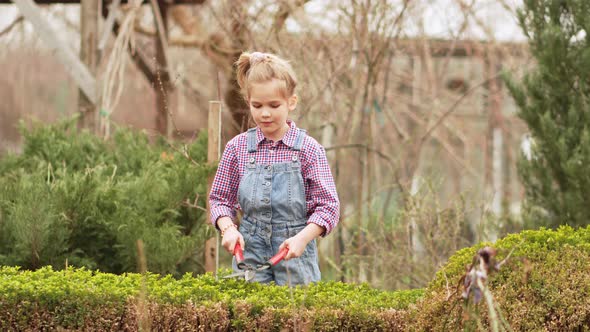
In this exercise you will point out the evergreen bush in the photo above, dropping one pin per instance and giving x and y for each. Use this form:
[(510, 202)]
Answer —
[(553, 100), (74, 198)]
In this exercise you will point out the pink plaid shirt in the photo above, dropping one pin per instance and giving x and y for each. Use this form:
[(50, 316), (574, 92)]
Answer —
[(323, 206)]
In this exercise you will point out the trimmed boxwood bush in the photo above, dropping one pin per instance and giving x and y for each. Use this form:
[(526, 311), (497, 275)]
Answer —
[(88, 300), (543, 286)]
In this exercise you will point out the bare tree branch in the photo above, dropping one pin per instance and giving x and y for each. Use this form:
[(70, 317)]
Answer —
[(11, 26), (456, 103), (286, 8)]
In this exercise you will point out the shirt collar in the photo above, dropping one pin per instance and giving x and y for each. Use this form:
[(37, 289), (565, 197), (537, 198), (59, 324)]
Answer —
[(288, 139)]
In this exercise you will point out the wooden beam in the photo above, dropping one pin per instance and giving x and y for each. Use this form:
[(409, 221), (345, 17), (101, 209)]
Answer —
[(89, 55), (162, 39), (142, 61), (65, 55), (166, 96)]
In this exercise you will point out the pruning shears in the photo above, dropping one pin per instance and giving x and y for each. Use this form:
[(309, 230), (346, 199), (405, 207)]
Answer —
[(249, 271)]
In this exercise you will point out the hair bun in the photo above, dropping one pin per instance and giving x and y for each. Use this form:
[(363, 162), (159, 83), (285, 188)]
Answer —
[(257, 57)]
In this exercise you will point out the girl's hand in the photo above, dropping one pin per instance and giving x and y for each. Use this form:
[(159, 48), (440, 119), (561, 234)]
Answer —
[(231, 235), (296, 245), (230, 238)]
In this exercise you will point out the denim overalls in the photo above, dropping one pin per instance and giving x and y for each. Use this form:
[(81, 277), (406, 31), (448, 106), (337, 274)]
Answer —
[(272, 198)]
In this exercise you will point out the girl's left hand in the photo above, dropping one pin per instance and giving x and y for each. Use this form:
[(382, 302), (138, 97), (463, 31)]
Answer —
[(296, 246), (297, 243)]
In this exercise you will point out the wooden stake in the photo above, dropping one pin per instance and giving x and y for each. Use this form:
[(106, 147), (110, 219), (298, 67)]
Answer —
[(89, 11), (213, 155)]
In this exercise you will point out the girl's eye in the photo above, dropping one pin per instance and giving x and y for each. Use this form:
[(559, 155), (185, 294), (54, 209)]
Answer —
[(261, 105)]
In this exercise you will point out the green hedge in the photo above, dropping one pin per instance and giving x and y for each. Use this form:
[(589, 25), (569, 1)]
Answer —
[(543, 286), (87, 300)]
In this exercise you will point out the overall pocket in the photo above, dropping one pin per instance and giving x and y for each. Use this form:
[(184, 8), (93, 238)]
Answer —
[(311, 246)]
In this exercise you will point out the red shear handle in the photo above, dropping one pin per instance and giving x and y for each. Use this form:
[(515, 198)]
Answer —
[(238, 253), (274, 260)]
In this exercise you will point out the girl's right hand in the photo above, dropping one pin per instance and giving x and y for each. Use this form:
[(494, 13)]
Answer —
[(230, 238)]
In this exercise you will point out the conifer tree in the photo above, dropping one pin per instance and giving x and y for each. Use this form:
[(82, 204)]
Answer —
[(553, 100)]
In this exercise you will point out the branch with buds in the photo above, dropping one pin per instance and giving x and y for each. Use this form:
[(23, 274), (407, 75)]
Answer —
[(475, 284)]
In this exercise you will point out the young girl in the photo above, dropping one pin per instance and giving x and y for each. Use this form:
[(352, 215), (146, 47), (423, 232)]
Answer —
[(277, 175)]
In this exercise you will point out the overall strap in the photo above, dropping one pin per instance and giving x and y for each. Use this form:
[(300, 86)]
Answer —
[(299, 140), (252, 140)]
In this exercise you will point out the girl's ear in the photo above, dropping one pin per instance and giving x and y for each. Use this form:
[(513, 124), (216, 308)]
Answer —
[(292, 102)]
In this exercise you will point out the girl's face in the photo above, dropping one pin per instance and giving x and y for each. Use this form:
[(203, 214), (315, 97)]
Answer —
[(270, 108)]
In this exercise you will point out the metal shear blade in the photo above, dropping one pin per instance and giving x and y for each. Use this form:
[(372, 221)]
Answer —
[(248, 275), (248, 271)]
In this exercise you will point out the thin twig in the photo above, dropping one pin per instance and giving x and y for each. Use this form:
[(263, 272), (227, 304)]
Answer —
[(194, 205), (361, 146), (12, 25), (499, 265), (455, 104)]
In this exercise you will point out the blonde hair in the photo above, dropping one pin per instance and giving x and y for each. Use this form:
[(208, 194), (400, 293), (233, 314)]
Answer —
[(260, 67)]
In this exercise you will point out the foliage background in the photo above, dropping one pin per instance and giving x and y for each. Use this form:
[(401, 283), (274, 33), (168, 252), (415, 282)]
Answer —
[(421, 134), (553, 101), (73, 198)]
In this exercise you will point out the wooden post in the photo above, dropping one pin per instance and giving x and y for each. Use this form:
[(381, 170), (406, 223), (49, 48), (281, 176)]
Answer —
[(89, 11), (165, 91), (213, 155)]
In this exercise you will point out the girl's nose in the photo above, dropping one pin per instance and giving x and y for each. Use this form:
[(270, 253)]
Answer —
[(265, 113)]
